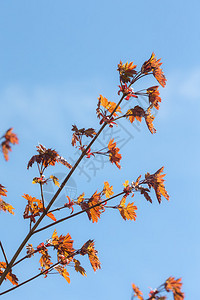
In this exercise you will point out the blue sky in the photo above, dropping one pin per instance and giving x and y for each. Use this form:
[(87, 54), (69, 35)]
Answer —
[(55, 60)]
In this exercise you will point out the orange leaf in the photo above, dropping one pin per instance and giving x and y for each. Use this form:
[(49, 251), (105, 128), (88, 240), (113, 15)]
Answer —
[(88, 248), (114, 154), (64, 246), (95, 212), (78, 267), (45, 261), (3, 191), (10, 276), (34, 208), (107, 190), (55, 180), (51, 216), (3, 205), (156, 181), (135, 113), (6, 207), (47, 157), (126, 71), (110, 106), (62, 271), (10, 138), (153, 65), (81, 198), (137, 292), (127, 212), (149, 118), (154, 96), (174, 285)]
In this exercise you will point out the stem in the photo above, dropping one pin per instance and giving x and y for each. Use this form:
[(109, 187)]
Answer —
[(42, 196), (56, 209), (119, 118), (4, 254), (78, 213), (31, 232)]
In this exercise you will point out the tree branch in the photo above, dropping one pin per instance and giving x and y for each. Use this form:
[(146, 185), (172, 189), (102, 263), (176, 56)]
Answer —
[(76, 214)]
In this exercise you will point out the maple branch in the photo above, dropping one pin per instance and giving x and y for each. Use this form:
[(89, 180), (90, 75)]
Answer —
[(30, 279), (31, 232), (4, 254), (78, 213)]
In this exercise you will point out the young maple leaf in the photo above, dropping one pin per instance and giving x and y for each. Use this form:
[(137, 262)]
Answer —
[(30, 250), (34, 208), (107, 189), (174, 285), (135, 113), (137, 292), (79, 133), (3, 191), (47, 157), (127, 212), (145, 192), (149, 118), (10, 138), (64, 246), (108, 105), (88, 248), (55, 180), (126, 71), (127, 92), (81, 198), (45, 259), (114, 154), (78, 268), (10, 276), (62, 271), (153, 65), (6, 207), (95, 212), (156, 181), (154, 96), (3, 205)]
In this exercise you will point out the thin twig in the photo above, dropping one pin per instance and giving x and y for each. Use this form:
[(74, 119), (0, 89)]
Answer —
[(42, 196), (4, 254), (57, 209), (26, 256)]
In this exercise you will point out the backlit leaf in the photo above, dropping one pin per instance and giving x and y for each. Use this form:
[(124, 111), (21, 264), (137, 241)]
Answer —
[(55, 180), (107, 189), (127, 212), (78, 267)]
